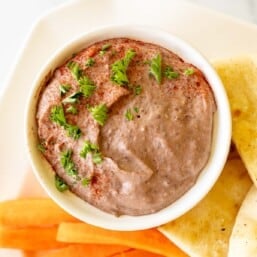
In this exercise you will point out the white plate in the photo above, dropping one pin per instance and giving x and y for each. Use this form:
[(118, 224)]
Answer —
[(215, 35)]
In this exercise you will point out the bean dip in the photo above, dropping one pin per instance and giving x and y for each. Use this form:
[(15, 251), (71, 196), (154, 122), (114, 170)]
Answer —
[(126, 126)]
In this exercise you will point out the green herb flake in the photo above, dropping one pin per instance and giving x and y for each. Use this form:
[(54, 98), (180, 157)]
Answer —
[(86, 181), (99, 113), (64, 88), (73, 131), (75, 70), (72, 109), (156, 68), (137, 90), (89, 147), (147, 62), (68, 164), (170, 73), (136, 109), (119, 69), (104, 48), (97, 158), (41, 147), (89, 62), (129, 115), (189, 72), (87, 86), (73, 98), (60, 184), (57, 116)]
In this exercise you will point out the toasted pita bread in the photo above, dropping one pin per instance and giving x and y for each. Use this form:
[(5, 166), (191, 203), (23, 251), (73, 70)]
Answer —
[(243, 241), (205, 230), (239, 77)]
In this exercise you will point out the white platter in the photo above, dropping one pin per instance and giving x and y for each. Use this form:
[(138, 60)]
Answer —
[(214, 34)]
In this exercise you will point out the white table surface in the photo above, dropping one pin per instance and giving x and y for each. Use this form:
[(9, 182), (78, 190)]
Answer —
[(18, 16)]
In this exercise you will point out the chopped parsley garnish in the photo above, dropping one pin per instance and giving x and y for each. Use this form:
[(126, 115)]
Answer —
[(119, 69), (41, 148), (87, 86), (189, 71), (86, 181), (88, 147), (137, 90), (97, 158), (129, 115), (136, 109), (104, 49), (73, 98), (60, 184), (68, 164), (57, 116), (72, 109), (73, 131), (93, 149), (156, 68), (64, 88), (90, 62), (170, 73), (75, 70), (99, 113)]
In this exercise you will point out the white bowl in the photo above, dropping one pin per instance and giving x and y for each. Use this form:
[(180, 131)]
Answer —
[(220, 141)]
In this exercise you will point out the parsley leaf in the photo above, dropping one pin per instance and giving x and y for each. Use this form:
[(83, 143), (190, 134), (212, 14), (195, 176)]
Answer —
[(189, 71), (64, 88), (170, 73), (136, 109), (73, 98), (87, 86), (156, 68), (129, 116), (104, 49), (68, 164), (88, 147), (99, 113), (137, 90), (57, 116), (75, 70), (60, 184), (97, 158), (119, 68), (93, 149), (86, 181), (41, 147), (90, 62), (72, 109), (73, 131)]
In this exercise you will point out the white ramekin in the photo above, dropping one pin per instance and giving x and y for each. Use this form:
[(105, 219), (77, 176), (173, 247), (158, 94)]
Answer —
[(220, 141)]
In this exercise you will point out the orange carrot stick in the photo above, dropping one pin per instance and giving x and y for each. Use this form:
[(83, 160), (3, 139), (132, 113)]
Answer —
[(92, 250), (29, 238), (136, 253), (35, 253), (149, 240), (82, 250), (32, 212)]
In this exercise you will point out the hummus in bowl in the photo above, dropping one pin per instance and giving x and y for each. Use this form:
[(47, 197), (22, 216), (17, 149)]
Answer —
[(127, 127)]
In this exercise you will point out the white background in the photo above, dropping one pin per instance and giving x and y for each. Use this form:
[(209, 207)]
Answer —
[(18, 16)]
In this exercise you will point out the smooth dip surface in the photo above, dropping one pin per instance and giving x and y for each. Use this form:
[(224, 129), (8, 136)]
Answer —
[(126, 125)]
